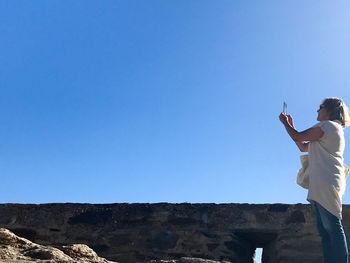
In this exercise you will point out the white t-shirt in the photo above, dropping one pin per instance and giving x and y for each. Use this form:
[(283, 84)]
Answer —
[(326, 168)]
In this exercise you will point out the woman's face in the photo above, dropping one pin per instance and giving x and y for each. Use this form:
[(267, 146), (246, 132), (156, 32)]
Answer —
[(322, 114)]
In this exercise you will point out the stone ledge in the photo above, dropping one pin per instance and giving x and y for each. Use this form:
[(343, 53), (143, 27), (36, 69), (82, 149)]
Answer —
[(130, 233)]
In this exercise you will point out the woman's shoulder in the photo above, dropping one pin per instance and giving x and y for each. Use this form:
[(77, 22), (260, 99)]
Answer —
[(330, 126)]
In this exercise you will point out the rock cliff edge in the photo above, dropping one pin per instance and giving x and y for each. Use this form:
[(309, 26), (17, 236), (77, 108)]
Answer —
[(163, 232)]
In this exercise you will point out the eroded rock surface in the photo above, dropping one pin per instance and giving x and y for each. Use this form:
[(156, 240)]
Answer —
[(130, 233), (16, 249)]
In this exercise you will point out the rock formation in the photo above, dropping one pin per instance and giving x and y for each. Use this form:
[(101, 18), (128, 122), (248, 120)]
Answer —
[(16, 249), (182, 233)]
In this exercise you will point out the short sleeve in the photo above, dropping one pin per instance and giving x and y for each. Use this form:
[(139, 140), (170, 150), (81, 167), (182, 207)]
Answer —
[(327, 126)]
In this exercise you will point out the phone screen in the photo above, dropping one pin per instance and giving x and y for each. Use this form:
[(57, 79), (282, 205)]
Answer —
[(284, 107)]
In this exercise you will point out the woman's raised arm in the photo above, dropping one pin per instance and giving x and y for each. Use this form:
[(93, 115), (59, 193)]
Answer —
[(301, 138)]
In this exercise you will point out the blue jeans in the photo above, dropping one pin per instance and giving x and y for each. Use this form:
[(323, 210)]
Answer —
[(335, 249)]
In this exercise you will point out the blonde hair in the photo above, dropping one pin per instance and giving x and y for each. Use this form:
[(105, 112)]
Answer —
[(337, 110)]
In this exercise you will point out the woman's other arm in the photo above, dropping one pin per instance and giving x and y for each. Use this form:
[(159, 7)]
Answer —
[(303, 146)]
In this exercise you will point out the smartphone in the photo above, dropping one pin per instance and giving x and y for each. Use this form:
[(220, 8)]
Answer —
[(284, 107)]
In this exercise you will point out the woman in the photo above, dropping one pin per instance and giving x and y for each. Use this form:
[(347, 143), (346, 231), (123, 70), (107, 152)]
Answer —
[(325, 144)]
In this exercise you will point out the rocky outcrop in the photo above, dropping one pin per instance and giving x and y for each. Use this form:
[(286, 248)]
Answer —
[(14, 249), (17, 249), (130, 233)]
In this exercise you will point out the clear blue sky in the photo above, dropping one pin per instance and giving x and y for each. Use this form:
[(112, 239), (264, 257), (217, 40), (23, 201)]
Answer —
[(163, 100)]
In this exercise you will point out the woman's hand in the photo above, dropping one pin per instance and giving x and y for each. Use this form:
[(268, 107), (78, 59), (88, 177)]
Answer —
[(283, 118), (286, 119), (290, 120)]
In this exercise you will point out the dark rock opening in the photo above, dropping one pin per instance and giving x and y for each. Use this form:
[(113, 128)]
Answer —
[(257, 239)]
